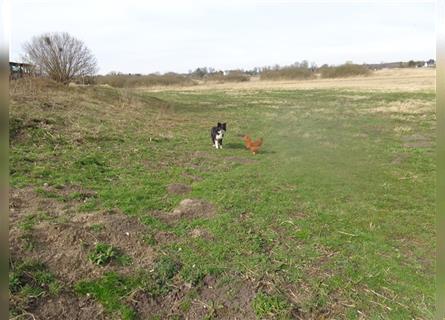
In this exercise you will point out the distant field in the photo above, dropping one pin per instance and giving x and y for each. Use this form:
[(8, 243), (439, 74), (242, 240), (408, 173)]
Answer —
[(121, 208), (405, 79)]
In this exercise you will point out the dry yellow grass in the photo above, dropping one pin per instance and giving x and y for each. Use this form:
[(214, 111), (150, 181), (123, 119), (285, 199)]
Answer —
[(411, 106), (381, 80)]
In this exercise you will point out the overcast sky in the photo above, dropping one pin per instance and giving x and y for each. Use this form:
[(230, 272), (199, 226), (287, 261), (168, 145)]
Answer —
[(160, 36)]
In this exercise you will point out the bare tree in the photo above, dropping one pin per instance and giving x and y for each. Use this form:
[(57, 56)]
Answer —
[(60, 56)]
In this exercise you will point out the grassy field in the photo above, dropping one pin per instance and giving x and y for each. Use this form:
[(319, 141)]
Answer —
[(388, 80), (121, 208)]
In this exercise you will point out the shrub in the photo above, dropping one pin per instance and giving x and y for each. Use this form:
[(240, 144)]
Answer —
[(232, 76), (60, 56), (346, 70), (286, 73), (237, 76), (151, 80)]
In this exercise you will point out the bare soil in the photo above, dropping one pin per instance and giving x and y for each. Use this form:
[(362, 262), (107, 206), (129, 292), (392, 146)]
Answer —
[(194, 208), (64, 248), (63, 244), (69, 306), (165, 237), (178, 188), (26, 201), (213, 299), (201, 233)]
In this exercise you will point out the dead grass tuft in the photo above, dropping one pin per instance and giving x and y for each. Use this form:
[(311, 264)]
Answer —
[(412, 106)]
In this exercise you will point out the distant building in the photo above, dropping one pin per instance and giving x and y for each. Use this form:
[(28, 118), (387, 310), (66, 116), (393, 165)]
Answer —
[(384, 65), (410, 64), (19, 70)]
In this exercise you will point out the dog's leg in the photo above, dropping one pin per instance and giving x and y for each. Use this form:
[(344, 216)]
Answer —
[(216, 144)]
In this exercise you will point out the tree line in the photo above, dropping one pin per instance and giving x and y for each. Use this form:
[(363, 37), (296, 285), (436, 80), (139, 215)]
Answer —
[(65, 58)]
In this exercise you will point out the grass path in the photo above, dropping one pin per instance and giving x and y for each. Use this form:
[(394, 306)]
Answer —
[(336, 210)]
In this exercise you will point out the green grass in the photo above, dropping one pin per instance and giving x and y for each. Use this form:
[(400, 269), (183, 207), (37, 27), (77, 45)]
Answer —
[(110, 290), (335, 207), (267, 306)]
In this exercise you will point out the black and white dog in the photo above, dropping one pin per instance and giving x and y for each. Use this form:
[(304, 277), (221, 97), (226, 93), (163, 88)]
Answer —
[(217, 134)]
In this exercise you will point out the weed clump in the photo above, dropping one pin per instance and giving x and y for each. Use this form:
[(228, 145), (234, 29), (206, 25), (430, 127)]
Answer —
[(102, 254)]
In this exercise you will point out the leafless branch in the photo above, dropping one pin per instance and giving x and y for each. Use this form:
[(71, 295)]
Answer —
[(60, 56)]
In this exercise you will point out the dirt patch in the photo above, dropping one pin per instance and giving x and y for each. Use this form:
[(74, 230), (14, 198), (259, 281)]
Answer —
[(187, 209), (68, 306), (64, 247), (224, 301), (212, 299), (28, 208), (27, 201), (148, 307), (201, 233), (22, 202), (194, 208), (178, 188), (62, 240), (165, 237), (239, 160), (417, 141)]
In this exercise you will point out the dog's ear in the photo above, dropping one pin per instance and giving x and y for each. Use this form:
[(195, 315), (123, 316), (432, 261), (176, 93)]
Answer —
[(219, 124), (224, 126)]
